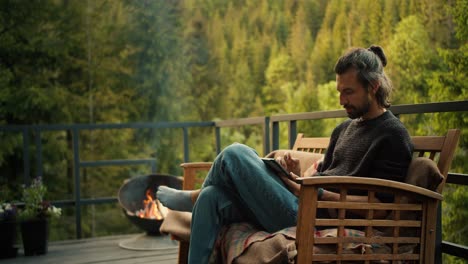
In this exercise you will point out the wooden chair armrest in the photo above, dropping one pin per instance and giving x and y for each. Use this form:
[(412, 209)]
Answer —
[(198, 165), (364, 181), (190, 170)]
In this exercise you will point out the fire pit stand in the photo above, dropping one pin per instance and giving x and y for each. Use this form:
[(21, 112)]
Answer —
[(146, 242)]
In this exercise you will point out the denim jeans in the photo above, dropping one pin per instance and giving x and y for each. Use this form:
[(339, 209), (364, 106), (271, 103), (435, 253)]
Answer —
[(239, 187)]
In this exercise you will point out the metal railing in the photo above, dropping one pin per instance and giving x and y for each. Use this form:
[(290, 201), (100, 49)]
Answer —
[(271, 138)]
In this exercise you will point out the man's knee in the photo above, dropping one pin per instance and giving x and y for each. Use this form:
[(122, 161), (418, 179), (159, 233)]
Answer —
[(209, 194), (215, 197), (237, 150), (220, 202)]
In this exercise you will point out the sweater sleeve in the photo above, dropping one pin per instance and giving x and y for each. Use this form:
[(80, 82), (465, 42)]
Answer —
[(392, 160), (331, 147), (393, 156)]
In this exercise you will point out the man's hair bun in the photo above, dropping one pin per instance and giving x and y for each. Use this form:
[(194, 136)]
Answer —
[(377, 50)]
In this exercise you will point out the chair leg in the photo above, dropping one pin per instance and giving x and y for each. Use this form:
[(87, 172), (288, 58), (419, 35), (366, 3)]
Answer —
[(183, 252)]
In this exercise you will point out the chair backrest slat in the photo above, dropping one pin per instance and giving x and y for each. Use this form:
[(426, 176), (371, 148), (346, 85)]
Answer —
[(311, 144)]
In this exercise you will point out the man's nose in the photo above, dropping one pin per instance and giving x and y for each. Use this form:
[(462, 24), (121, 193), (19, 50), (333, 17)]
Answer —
[(343, 100)]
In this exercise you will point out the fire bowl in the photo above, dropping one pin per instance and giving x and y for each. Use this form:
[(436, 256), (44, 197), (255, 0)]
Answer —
[(133, 192)]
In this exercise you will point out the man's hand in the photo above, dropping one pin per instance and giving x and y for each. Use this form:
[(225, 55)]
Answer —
[(289, 163), (293, 166), (293, 186), (312, 169)]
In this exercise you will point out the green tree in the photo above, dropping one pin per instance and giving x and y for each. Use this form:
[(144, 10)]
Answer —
[(202, 65), (330, 100), (410, 54), (323, 55), (160, 75), (280, 84), (299, 43)]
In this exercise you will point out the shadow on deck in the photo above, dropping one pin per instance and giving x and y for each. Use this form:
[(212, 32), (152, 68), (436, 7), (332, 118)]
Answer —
[(136, 248)]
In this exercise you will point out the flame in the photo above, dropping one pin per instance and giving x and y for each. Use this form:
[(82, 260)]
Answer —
[(153, 209)]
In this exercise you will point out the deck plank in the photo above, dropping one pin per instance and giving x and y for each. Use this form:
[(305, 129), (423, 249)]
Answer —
[(100, 250)]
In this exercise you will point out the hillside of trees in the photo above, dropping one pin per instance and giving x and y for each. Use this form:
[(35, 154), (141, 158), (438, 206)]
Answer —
[(109, 61)]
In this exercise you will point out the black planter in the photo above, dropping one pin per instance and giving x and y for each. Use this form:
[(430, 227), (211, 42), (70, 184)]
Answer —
[(35, 234), (8, 240)]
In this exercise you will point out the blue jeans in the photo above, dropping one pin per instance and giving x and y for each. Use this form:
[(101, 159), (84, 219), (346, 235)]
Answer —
[(239, 187)]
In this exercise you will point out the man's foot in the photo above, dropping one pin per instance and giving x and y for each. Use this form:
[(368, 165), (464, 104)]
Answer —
[(174, 199)]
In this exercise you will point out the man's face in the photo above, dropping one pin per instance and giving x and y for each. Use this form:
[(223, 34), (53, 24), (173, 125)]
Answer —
[(353, 96)]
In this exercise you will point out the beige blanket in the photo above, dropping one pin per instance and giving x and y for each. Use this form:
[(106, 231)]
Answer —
[(177, 224)]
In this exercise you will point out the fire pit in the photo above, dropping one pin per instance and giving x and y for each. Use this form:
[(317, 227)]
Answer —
[(137, 198)]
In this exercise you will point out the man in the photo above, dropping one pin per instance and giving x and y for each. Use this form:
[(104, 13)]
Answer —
[(239, 187)]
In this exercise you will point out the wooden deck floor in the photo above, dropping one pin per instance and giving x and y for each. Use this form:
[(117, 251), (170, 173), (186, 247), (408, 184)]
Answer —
[(112, 249)]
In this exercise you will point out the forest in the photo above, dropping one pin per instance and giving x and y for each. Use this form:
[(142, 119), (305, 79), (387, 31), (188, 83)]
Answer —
[(124, 61)]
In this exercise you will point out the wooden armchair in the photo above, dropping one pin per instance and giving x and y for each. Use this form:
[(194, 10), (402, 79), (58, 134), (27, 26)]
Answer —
[(407, 234), (423, 202)]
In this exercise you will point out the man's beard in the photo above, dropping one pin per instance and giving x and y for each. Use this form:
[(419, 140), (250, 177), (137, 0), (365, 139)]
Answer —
[(357, 112)]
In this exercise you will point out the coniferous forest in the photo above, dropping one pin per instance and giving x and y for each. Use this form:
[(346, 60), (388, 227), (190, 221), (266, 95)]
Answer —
[(122, 61)]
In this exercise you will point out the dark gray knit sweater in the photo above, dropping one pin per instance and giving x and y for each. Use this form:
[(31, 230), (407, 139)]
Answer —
[(376, 148)]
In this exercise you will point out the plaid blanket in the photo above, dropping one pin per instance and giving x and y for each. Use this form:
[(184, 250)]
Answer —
[(236, 239), (241, 236)]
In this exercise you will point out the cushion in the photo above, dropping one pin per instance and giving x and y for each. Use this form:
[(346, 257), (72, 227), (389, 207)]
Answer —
[(423, 172)]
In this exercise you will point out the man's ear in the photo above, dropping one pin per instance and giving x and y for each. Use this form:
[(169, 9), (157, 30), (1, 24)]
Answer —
[(375, 86)]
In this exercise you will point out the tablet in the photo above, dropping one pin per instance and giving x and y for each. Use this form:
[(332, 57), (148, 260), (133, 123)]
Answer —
[(277, 168)]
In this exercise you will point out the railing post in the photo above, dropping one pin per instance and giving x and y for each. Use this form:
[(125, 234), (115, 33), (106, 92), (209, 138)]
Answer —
[(186, 145), (38, 143), (275, 135), (266, 136), (153, 166), (438, 242), (292, 127), (76, 170), (218, 139), (26, 164)]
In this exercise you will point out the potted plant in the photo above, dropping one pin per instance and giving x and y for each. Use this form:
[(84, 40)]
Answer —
[(7, 230), (34, 218)]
